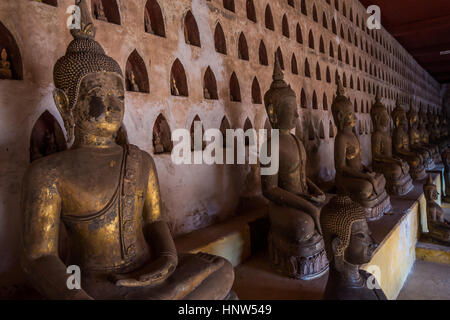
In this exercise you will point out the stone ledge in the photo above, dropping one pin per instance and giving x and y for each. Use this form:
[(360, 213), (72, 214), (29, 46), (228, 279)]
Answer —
[(433, 252)]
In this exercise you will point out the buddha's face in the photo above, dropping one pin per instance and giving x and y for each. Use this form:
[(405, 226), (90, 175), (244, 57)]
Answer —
[(382, 120), (100, 104), (431, 194), (287, 113), (361, 247), (346, 116), (413, 119)]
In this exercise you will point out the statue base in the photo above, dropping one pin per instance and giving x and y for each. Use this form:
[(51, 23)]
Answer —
[(399, 187), (418, 173), (303, 261), (376, 208)]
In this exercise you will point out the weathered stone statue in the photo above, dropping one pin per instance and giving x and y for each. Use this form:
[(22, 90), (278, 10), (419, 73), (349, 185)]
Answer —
[(415, 142), (352, 177), (401, 148), (349, 245), (173, 88), (105, 198), (5, 66), (132, 85), (394, 169), (438, 226), (295, 242), (425, 137), (99, 11)]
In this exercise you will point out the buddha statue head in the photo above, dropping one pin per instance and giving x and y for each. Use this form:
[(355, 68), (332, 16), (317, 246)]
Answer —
[(379, 114), (89, 85), (342, 109), (346, 233), (412, 117), (280, 101), (399, 116), (429, 189)]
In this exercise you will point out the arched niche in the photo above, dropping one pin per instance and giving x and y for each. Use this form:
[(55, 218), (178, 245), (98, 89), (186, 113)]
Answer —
[(243, 48), (53, 3), (318, 72), (153, 19), (268, 128), (311, 132), (248, 126), (325, 102), (321, 130), (328, 75), (136, 74), (315, 103), (324, 20), (315, 17), (191, 33), (311, 40), (321, 45), (106, 10), (299, 36), (178, 80), (256, 92), (279, 54), (47, 137), (269, 19), (285, 27), (303, 7), (263, 60), (220, 42), (10, 58), (251, 11), (235, 89), (331, 130), (303, 100), (210, 85), (333, 26), (162, 136), (203, 143), (229, 5), (307, 71), (331, 50), (291, 3), (294, 65), (224, 126)]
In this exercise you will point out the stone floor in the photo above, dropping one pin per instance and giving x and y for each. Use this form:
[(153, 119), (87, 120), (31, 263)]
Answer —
[(427, 281)]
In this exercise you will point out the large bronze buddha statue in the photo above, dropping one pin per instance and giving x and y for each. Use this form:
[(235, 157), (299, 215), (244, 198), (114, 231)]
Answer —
[(394, 169), (438, 226), (295, 242), (415, 144), (349, 245), (400, 140), (352, 177), (105, 199), (425, 136)]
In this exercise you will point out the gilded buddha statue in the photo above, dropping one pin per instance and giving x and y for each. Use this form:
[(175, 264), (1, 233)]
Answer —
[(438, 226), (105, 199), (415, 144), (400, 140), (425, 136), (394, 169), (352, 177), (5, 65), (349, 245), (295, 242)]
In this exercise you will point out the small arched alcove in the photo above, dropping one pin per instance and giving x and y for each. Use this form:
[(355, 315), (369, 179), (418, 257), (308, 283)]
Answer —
[(153, 19), (285, 27), (220, 42), (321, 45), (210, 85), (263, 60), (279, 54), (291, 3), (248, 126), (328, 75), (162, 136), (321, 130), (10, 58), (235, 89), (325, 102), (324, 20), (294, 66), (333, 26), (201, 143), (256, 92), (311, 40), (53, 3), (299, 36), (318, 72), (331, 130), (269, 19), (315, 17), (315, 103), (303, 7), (136, 75), (307, 71), (106, 10), (243, 48), (47, 137), (331, 50), (303, 100), (224, 126), (229, 5), (191, 33), (251, 11), (178, 80), (339, 53)]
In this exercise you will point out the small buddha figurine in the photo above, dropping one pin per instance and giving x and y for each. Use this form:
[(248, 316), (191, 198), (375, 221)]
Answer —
[(148, 23), (157, 143), (131, 78), (352, 177), (173, 88), (394, 169), (99, 11), (438, 226), (206, 93), (296, 246), (5, 66), (414, 139), (349, 245), (425, 137), (106, 197), (400, 140)]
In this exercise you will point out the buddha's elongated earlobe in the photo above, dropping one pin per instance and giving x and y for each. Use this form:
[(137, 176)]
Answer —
[(62, 103), (338, 254)]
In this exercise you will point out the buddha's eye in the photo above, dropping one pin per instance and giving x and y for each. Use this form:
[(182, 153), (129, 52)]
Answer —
[(361, 235)]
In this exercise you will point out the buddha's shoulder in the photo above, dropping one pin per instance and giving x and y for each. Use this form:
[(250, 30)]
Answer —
[(50, 165), (146, 158)]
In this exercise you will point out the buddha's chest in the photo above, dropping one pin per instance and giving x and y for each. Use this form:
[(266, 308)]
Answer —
[(292, 171), (353, 149)]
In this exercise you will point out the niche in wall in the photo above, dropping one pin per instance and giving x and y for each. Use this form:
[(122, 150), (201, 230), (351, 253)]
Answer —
[(10, 58), (248, 126), (285, 27), (307, 71), (106, 10), (331, 130), (178, 81), (191, 33), (224, 126), (235, 89), (299, 36), (153, 19), (136, 75), (269, 19), (251, 12), (53, 3), (279, 54), (162, 136), (203, 144), (210, 85), (294, 66), (311, 40), (229, 5), (47, 137), (325, 102), (263, 60), (243, 48), (256, 92), (303, 101), (219, 40), (315, 104)]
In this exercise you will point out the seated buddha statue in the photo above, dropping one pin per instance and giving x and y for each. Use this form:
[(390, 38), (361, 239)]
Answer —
[(425, 137), (394, 169), (5, 66), (438, 226), (105, 199), (295, 242), (349, 245), (400, 140), (352, 177), (415, 144)]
